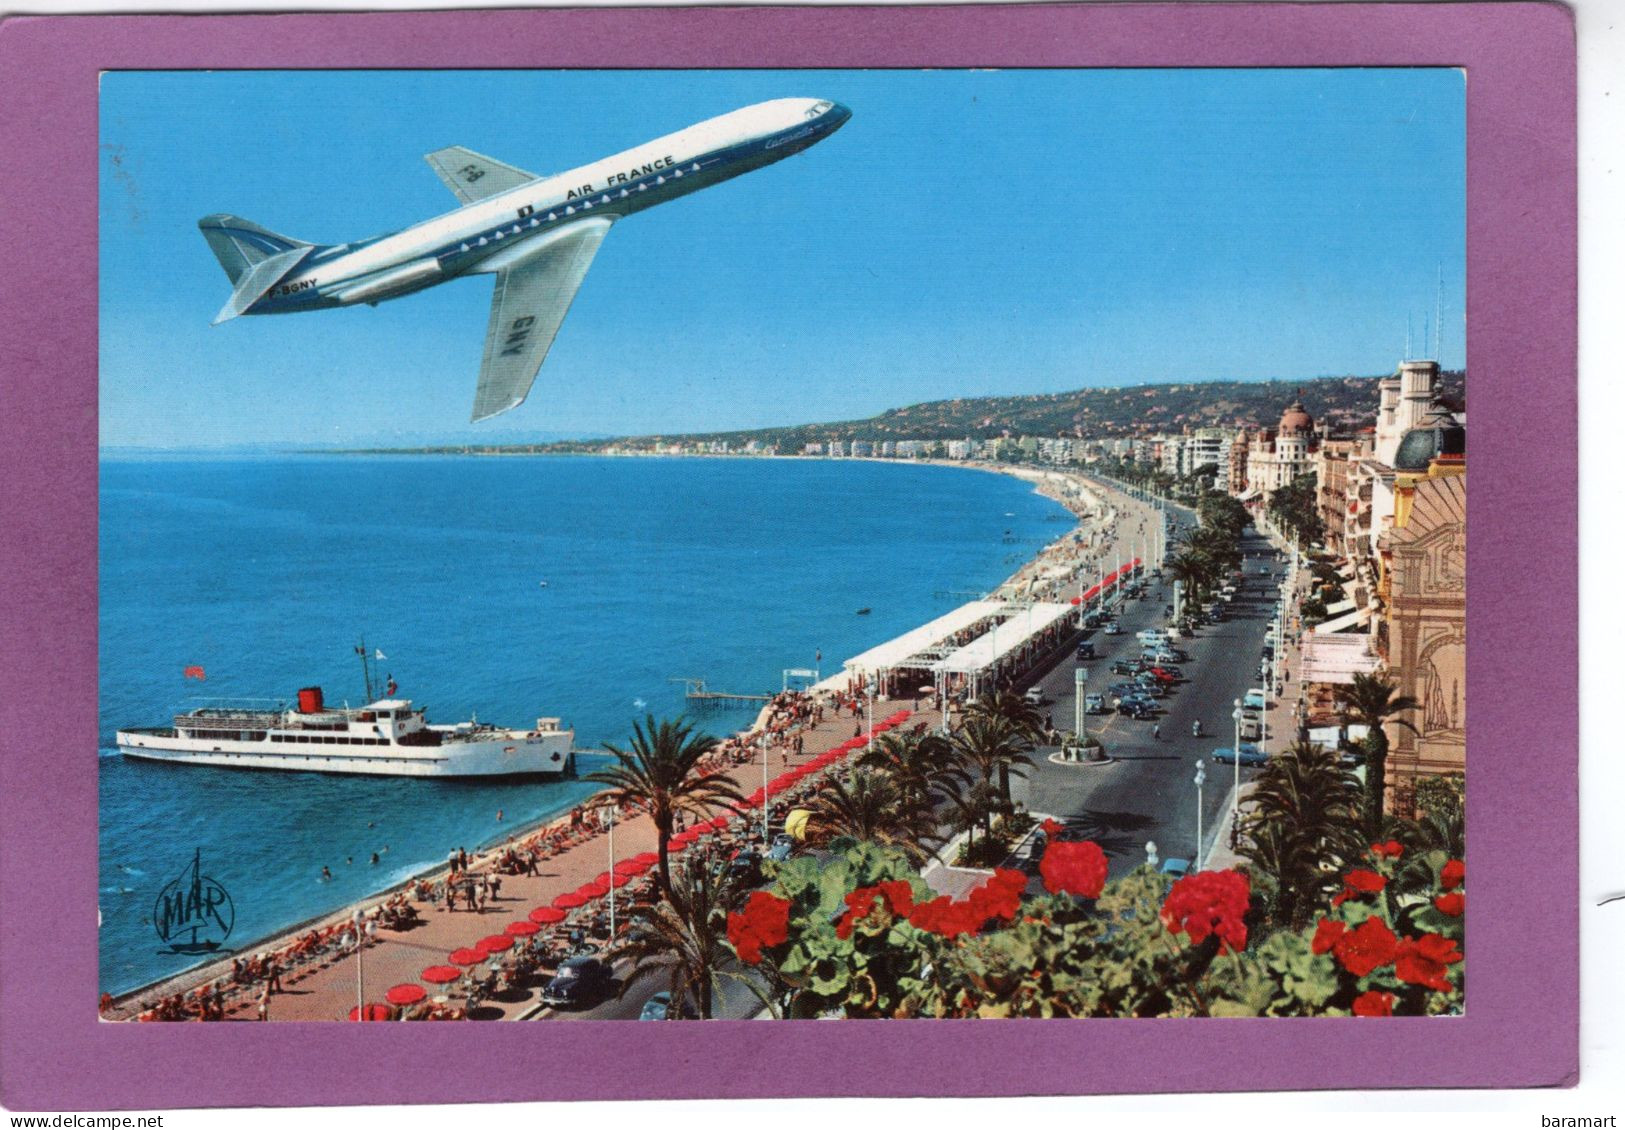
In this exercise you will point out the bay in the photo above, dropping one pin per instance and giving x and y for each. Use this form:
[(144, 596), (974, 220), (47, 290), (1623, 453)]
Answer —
[(505, 588)]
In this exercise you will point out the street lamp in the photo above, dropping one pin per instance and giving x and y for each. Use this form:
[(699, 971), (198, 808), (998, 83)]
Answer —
[(762, 741), (1201, 778), (1235, 794), (363, 931), (612, 875), (1151, 853)]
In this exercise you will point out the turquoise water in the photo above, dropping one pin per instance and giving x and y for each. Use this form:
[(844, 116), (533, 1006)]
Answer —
[(266, 571)]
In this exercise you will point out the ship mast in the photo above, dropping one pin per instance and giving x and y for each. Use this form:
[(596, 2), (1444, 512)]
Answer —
[(366, 670)]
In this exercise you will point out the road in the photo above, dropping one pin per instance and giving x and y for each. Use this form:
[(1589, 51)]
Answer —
[(1147, 791)]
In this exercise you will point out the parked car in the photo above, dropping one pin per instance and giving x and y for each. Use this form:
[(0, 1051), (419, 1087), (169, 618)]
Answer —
[(746, 867), (1136, 708), (658, 1007), (580, 982), (1250, 755), (783, 845), (1254, 699), (1086, 650), (1118, 690), (1178, 868), (1094, 704), (1127, 666), (1167, 674), (1034, 696), (1111, 628)]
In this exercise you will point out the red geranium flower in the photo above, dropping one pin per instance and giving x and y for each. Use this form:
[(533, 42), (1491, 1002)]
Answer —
[(1051, 827), (1328, 931), (1373, 1003), (1393, 849), (945, 917), (896, 894), (1368, 946), (1453, 875), (1425, 961), (765, 922), (1000, 896), (1359, 882), (1209, 902), (1452, 904), (1077, 868)]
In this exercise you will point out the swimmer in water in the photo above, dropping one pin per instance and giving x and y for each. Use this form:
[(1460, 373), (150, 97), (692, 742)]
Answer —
[(326, 874), (375, 859), (499, 816)]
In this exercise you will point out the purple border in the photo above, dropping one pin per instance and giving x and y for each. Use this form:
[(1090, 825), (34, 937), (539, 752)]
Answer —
[(1522, 1025)]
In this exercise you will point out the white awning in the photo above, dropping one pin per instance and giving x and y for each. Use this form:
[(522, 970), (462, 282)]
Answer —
[(894, 651), (1023, 624), (1336, 658), (1339, 608), (1345, 621)]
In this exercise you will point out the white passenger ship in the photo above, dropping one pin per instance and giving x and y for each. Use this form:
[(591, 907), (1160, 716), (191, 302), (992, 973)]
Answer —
[(385, 738)]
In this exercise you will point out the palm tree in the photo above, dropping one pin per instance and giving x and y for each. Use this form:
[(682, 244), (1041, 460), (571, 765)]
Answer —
[(1304, 827), (1371, 702), (658, 774), (684, 937), (985, 747), (1023, 719), (1193, 570), (918, 764), (870, 807)]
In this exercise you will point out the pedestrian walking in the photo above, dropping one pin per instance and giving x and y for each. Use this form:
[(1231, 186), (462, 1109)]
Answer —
[(265, 1002), (1156, 730)]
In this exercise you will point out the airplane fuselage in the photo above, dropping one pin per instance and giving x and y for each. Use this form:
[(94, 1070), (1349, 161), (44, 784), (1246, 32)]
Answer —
[(484, 236)]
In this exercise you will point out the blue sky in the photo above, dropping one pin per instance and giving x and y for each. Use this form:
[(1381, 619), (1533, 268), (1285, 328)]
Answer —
[(965, 234)]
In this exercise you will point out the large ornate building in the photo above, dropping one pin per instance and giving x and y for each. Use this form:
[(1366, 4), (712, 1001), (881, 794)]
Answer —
[(1275, 458), (1423, 634)]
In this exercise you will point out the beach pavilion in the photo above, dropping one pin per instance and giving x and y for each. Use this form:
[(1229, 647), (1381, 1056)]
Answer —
[(1030, 628), (919, 649)]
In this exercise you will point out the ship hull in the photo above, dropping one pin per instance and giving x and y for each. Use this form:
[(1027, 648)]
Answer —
[(500, 755)]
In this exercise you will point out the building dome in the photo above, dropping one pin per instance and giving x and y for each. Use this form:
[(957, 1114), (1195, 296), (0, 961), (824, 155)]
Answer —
[(1295, 420), (1438, 434)]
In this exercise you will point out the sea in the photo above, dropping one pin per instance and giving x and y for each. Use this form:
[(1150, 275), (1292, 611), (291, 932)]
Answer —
[(502, 588)]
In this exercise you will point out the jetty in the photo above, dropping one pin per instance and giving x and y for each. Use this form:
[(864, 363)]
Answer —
[(695, 690)]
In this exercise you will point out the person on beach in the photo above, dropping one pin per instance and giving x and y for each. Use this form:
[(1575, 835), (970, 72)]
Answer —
[(265, 1002), (273, 975), (451, 893), (468, 894)]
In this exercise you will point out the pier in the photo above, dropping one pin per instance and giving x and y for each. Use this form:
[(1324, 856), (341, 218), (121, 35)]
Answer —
[(695, 690)]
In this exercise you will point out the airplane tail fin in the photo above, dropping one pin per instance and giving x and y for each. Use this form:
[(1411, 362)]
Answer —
[(241, 244)]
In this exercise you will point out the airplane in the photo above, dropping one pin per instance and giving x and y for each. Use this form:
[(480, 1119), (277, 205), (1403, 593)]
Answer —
[(536, 234)]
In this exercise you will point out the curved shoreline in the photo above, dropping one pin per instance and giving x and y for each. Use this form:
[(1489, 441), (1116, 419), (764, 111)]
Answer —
[(1044, 481)]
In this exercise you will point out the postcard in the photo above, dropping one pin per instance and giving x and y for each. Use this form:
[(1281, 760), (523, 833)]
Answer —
[(952, 518)]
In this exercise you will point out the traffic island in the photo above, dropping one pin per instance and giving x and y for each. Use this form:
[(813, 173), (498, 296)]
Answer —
[(1082, 754)]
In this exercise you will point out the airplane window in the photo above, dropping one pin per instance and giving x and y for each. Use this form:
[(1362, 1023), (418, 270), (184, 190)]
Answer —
[(818, 108)]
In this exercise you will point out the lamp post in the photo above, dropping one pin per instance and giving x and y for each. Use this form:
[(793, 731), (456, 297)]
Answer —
[(612, 875), (1235, 793), (1151, 853), (869, 705), (1201, 778), (363, 931), (1080, 680), (762, 741)]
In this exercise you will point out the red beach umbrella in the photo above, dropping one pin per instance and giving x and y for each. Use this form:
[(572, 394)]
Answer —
[(570, 900), (630, 867), (546, 915), (465, 956), (521, 929), (646, 857), (405, 994), (595, 889), (441, 974), (494, 943), (374, 1012)]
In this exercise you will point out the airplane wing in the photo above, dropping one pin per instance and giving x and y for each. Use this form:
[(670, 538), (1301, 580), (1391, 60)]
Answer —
[(534, 290), (474, 177)]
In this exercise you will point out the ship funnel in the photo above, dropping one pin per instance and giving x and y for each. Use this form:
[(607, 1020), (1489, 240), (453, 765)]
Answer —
[(310, 700)]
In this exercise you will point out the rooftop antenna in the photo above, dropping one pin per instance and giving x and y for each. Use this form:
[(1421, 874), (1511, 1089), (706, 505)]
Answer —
[(1438, 317)]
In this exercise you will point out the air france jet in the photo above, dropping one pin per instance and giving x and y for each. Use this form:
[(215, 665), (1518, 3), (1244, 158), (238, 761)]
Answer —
[(536, 234)]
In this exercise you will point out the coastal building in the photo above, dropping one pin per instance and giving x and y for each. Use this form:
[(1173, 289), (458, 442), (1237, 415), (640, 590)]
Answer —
[(1331, 465), (888, 448), (909, 448), (1423, 588), (837, 449), (1236, 464), (862, 448), (960, 448), (812, 449), (1276, 457)]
